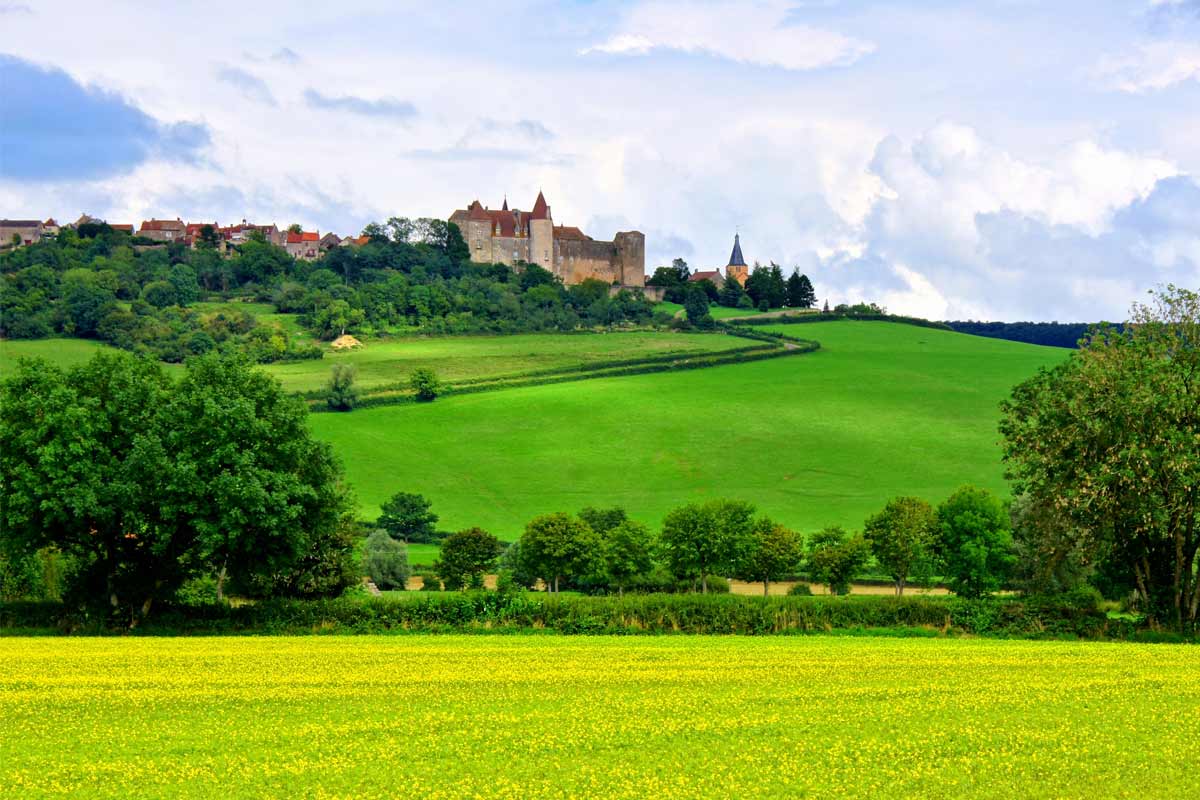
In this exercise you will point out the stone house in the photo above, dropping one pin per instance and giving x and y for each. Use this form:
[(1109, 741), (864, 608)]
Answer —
[(163, 230), (27, 231), (305, 245)]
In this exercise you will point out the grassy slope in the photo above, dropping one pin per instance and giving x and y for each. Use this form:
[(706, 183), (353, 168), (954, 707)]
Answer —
[(882, 409), (61, 352), (390, 361), (717, 312)]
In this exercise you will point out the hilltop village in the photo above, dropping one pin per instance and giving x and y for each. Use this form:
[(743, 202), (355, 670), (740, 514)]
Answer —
[(493, 236)]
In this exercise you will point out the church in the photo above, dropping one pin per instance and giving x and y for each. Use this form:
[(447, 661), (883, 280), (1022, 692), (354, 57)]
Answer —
[(509, 236), (735, 269)]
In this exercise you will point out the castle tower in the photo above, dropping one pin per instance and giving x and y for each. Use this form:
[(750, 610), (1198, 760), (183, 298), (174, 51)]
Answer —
[(541, 234), (736, 269)]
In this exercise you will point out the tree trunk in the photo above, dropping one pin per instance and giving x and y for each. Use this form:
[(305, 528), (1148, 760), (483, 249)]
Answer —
[(221, 585), (703, 583), (766, 587), (556, 584), (899, 587)]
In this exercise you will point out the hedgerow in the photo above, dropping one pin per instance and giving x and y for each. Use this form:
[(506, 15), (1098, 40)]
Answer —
[(630, 614)]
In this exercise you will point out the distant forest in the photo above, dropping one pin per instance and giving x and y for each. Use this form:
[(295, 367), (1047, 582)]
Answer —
[(1054, 334)]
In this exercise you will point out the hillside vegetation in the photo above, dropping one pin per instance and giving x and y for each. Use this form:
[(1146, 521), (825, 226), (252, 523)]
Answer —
[(882, 409)]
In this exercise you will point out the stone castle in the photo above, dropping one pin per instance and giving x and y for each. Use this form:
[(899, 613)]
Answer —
[(508, 236)]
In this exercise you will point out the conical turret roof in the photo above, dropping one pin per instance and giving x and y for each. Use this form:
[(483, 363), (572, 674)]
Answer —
[(735, 258), (540, 209)]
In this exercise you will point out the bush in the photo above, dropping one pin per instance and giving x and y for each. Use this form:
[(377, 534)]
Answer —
[(341, 394), (200, 591), (386, 561), (800, 590), (425, 384), (430, 582), (717, 585)]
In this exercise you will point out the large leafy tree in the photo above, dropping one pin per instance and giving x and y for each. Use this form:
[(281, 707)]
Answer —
[(628, 551), (148, 483), (903, 538), (702, 539), (975, 541), (466, 556), (1111, 439), (771, 552), (557, 547), (835, 557)]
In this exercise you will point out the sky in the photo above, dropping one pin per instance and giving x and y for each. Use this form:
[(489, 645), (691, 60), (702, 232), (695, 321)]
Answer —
[(1005, 160)]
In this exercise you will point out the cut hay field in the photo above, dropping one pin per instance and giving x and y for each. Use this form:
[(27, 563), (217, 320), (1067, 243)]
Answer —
[(390, 361), (882, 409), (519, 717)]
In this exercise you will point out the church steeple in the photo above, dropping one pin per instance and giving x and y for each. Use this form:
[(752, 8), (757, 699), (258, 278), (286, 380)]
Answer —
[(505, 206), (735, 258), (736, 269)]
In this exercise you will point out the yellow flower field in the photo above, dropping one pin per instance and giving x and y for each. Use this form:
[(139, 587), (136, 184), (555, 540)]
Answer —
[(549, 716)]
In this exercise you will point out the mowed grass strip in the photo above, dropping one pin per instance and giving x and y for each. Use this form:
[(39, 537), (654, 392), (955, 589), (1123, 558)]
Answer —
[(519, 717), (382, 362), (882, 409)]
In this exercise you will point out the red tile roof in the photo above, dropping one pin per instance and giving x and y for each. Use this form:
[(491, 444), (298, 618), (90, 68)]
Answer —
[(304, 236), (569, 232), (118, 227), (161, 225), (708, 275), (540, 209)]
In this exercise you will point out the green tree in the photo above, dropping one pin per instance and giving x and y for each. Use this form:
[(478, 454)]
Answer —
[(696, 308), (776, 287), (86, 301), (835, 557), (558, 546), (407, 517), (800, 292), (385, 561), (425, 384), (340, 392), (975, 541), (160, 294), (466, 557), (628, 551), (147, 483), (702, 539), (603, 520), (1111, 438), (731, 293), (771, 552), (903, 538)]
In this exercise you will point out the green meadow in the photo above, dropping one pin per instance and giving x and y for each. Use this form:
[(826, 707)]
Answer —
[(882, 409), (390, 361)]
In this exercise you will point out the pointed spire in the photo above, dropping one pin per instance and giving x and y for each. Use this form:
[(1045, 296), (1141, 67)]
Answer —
[(505, 206), (540, 209), (735, 258)]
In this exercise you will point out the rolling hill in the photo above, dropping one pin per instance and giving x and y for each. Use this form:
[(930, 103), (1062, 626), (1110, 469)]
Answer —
[(882, 409)]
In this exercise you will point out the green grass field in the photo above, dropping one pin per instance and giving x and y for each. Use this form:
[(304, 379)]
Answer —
[(390, 361), (544, 716), (882, 409), (717, 312), (60, 352)]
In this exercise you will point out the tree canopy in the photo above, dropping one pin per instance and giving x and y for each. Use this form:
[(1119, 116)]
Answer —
[(1110, 439), (147, 482)]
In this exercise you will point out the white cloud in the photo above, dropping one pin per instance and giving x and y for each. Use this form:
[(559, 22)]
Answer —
[(751, 33), (1151, 67)]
